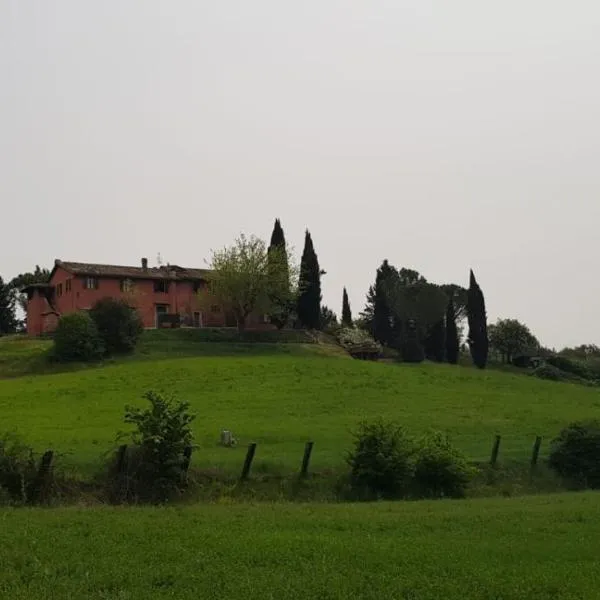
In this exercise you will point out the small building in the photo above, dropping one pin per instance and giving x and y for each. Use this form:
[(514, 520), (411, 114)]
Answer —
[(169, 294)]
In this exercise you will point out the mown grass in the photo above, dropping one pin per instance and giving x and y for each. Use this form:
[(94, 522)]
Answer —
[(21, 355), (535, 547), (281, 401)]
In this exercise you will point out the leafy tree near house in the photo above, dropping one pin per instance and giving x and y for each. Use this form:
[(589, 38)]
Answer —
[(509, 338), (328, 318), (309, 287), (8, 319), (477, 318), (244, 277), (452, 339), (38, 275), (346, 312), (281, 293)]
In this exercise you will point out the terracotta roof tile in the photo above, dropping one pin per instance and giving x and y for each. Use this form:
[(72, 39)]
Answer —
[(165, 272)]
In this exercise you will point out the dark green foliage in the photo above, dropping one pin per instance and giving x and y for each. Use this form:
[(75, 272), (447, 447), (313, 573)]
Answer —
[(381, 462), (24, 279), (551, 373), (378, 307), (280, 298), (346, 312), (440, 469), (328, 318), (476, 314), (8, 319), (77, 339), (411, 348), (574, 367), (435, 342), (452, 341), (309, 287), (118, 324), (162, 434), (512, 339), (575, 453), (17, 470)]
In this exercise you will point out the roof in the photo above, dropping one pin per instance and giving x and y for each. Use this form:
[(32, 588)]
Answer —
[(126, 272)]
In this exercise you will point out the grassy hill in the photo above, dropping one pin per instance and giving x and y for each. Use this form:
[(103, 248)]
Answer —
[(536, 547), (280, 396)]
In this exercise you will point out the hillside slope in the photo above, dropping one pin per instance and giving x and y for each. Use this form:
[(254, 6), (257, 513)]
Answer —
[(281, 401)]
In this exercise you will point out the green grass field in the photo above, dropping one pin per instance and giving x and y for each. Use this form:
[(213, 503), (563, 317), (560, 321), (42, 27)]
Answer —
[(521, 548), (280, 396)]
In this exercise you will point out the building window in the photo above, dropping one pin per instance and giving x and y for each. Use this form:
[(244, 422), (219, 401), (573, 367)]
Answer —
[(68, 285), (161, 286), (197, 319), (126, 285), (90, 283), (59, 289), (199, 286), (215, 308)]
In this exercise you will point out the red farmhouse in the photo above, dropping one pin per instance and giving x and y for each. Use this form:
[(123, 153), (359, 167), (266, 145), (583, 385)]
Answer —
[(167, 290)]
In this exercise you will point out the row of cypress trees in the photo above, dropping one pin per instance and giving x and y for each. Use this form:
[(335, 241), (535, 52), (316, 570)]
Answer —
[(442, 341)]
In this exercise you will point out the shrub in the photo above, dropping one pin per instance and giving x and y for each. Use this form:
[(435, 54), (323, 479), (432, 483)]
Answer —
[(119, 325), (17, 469), (575, 453), (162, 434), (76, 339), (357, 342), (574, 367), (441, 470), (382, 461)]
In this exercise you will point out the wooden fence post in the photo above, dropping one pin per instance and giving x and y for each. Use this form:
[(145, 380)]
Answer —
[(248, 461), (185, 465), (536, 451), (306, 458), (495, 451), (43, 478)]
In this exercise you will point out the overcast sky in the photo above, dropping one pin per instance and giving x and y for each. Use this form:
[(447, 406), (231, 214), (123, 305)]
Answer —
[(439, 135)]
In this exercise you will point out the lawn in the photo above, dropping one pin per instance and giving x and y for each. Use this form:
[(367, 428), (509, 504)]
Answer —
[(282, 400), (521, 548)]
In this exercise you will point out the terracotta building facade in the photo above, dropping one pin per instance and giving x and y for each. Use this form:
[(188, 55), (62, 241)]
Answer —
[(155, 292)]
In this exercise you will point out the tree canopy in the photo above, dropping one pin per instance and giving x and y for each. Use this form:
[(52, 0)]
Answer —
[(509, 338)]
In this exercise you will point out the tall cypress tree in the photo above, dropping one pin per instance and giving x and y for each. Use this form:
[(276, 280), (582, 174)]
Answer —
[(8, 319), (435, 342), (478, 336), (346, 312), (309, 287), (383, 330), (452, 343), (280, 294)]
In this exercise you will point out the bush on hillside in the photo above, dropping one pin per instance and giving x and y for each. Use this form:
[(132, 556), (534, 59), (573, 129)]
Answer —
[(119, 325), (76, 339), (17, 470), (440, 469), (567, 365), (357, 342), (381, 463), (157, 461), (551, 373), (575, 453)]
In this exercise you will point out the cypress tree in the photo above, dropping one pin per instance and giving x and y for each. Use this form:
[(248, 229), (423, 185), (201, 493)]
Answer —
[(382, 316), (309, 287), (8, 319), (478, 336), (435, 342), (280, 295), (452, 343), (346, 312)]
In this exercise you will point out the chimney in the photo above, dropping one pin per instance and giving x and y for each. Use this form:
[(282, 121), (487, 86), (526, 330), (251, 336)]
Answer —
[(145, 264)]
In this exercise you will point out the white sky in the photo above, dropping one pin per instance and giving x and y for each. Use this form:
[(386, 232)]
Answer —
[(440, 135)]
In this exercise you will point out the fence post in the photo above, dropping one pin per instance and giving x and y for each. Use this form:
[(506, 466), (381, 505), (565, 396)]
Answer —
[(120, 490), (42, 480), (306, 458), (536, 451), (248, 461), (495, 450), (185, 465)]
